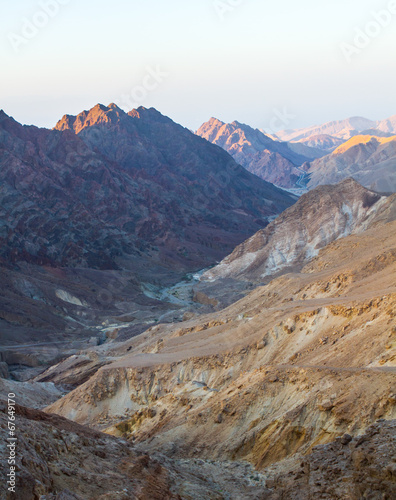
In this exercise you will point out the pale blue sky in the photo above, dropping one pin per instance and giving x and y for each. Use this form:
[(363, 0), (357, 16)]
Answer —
[(263, 55)]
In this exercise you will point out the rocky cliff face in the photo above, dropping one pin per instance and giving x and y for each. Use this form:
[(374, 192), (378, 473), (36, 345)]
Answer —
[(368, 159), (296, 236), (271, 160)]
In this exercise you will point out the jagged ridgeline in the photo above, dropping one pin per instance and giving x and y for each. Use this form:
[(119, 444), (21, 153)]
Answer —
[(106, 185)]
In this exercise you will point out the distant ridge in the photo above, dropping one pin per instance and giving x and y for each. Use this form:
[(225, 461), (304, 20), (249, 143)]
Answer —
[(369, 159), (274, 161), (342, 129)]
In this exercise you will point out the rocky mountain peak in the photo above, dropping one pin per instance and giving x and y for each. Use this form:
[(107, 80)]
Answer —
[(109, 115), (99, 114), (210, 130), (388, 125), (113, 105), (214, 122), (149, 115)]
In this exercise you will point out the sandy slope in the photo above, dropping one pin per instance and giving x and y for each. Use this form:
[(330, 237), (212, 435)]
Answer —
[(296, 363)]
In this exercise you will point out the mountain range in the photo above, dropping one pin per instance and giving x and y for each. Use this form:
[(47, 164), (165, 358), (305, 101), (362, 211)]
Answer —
[(274, 161), (122, 183), (341, 129), (286, 158), (175, 327), (104, 210), (296, 378)]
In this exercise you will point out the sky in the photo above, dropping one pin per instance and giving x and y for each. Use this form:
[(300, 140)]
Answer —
[(270, 64)]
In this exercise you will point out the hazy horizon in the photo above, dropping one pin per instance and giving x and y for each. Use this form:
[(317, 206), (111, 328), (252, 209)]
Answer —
[(201, 123), (231, 59)]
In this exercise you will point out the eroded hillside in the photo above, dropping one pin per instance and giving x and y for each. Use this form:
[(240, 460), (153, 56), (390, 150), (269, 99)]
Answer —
[(296, 363), (321, 216)]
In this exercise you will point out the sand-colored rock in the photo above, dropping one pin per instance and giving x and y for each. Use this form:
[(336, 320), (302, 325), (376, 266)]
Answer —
[(60, 460), (321, 216), (370, 160), (299, 362)]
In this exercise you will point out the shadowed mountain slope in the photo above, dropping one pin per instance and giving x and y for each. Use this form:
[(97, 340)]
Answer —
[(103, 206), (126, 184)]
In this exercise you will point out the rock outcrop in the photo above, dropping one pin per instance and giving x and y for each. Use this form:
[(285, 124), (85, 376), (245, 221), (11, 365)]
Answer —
[(362, 467)]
